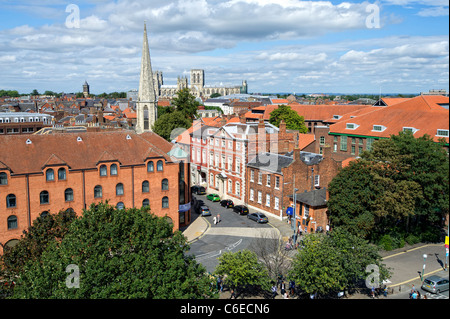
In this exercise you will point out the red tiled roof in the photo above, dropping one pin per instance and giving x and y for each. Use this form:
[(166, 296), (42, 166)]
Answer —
[(86, 153), (422, 113)]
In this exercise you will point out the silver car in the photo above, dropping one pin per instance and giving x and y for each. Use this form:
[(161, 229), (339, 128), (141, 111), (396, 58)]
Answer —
[(435, 284)]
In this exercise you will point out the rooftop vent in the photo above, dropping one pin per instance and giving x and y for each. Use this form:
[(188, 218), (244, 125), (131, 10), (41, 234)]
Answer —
[(79, 139), (29, 142)]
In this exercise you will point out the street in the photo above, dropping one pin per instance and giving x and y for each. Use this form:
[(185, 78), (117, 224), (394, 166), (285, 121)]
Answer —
[(407, 265), (234, 232)]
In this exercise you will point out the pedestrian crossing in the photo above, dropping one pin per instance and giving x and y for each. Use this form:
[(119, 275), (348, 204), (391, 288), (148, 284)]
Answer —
[(436, 296)]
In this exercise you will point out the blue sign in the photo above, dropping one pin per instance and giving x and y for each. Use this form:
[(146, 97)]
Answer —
[(290, 211)]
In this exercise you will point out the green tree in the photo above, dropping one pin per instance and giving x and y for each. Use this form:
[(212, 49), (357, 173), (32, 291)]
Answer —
[(329, 264), (128, 253), (35, 92), (170, 121), (185, 102), (400, 187), (420, 161), (242, 270), (45, 230), (292, 119)]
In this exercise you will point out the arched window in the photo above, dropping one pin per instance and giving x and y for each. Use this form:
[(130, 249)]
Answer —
[(44, 197), (3, 179), (11, 201), (165, 202), (145, 187), (159, 166), (120, 205), (50, 175), (12, 222), (165, 184), (62, 174), (119, 189), (146, 203), (150, 167), (98, 192), (103, 170), (113, 169), (68, 195)]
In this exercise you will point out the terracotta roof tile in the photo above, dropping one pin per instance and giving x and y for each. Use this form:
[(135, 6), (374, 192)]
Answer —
[(422, 113), (81, 150)]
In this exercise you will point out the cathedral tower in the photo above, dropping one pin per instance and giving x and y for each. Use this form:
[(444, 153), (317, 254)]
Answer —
[(146, 105)]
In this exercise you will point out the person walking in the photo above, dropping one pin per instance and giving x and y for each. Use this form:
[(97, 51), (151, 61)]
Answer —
[(274, 291)]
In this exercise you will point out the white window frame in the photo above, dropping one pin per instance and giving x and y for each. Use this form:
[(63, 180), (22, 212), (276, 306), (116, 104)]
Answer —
[(268, 200), (442, 131)]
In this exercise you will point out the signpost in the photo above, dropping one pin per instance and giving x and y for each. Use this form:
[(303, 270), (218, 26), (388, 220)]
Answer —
[(446, 252)]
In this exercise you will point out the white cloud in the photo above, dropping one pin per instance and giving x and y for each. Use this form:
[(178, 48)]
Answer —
[(210, 34)]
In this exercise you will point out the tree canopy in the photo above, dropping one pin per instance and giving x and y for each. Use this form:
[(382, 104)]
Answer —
[(127, 253), (179, 115), (290, 117), (400, 187), (328, 264), (242, 270)]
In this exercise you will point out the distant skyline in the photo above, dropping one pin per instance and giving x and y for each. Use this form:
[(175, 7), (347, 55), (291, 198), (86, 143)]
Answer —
[(292, 46)]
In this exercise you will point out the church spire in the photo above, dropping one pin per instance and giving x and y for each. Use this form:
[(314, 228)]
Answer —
[(146, 105), (146, 85)]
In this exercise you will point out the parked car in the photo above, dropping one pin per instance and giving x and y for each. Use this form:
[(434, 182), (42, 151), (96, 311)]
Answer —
[(197, 203), (204, 211), (241, 209), (199, 190), (228, 203), (213, 197), (258, 217), (435, 284)]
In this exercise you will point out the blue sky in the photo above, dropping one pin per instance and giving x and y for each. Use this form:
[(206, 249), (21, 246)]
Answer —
[(277, 46)]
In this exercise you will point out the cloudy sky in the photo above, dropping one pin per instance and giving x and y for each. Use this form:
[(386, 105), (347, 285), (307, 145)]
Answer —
[(396, 46)]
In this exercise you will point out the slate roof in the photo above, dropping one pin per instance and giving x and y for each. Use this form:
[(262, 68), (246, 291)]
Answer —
[(315, 198), (275, 162), (271, 162)]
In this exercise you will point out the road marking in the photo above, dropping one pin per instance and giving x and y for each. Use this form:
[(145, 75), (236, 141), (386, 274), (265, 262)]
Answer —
[(407, 281), (217, 253), (412, 249), (238, 231)]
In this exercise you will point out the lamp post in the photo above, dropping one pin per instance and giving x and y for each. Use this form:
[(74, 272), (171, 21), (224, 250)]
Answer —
[(423, 270)]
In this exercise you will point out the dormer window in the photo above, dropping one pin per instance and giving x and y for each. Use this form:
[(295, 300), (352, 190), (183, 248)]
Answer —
[(410, 129), (337, 117), (442, 133), (351, 126), (378, 128)]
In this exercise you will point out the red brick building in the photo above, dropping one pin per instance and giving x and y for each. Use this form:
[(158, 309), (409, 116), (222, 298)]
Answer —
[(47, 173), (271, 187)]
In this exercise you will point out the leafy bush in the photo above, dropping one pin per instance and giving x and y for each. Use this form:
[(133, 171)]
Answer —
[(412, 239)]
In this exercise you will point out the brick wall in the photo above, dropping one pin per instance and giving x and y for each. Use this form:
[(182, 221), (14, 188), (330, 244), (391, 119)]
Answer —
[(82, 182)]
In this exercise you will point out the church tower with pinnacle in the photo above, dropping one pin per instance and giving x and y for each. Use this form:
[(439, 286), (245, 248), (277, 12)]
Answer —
[(146, 105)]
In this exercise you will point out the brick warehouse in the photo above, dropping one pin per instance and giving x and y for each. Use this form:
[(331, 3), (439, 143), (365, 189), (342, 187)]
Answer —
[(42, 174)]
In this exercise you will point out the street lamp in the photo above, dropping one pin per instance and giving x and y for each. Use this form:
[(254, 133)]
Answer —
[(423, 270)]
